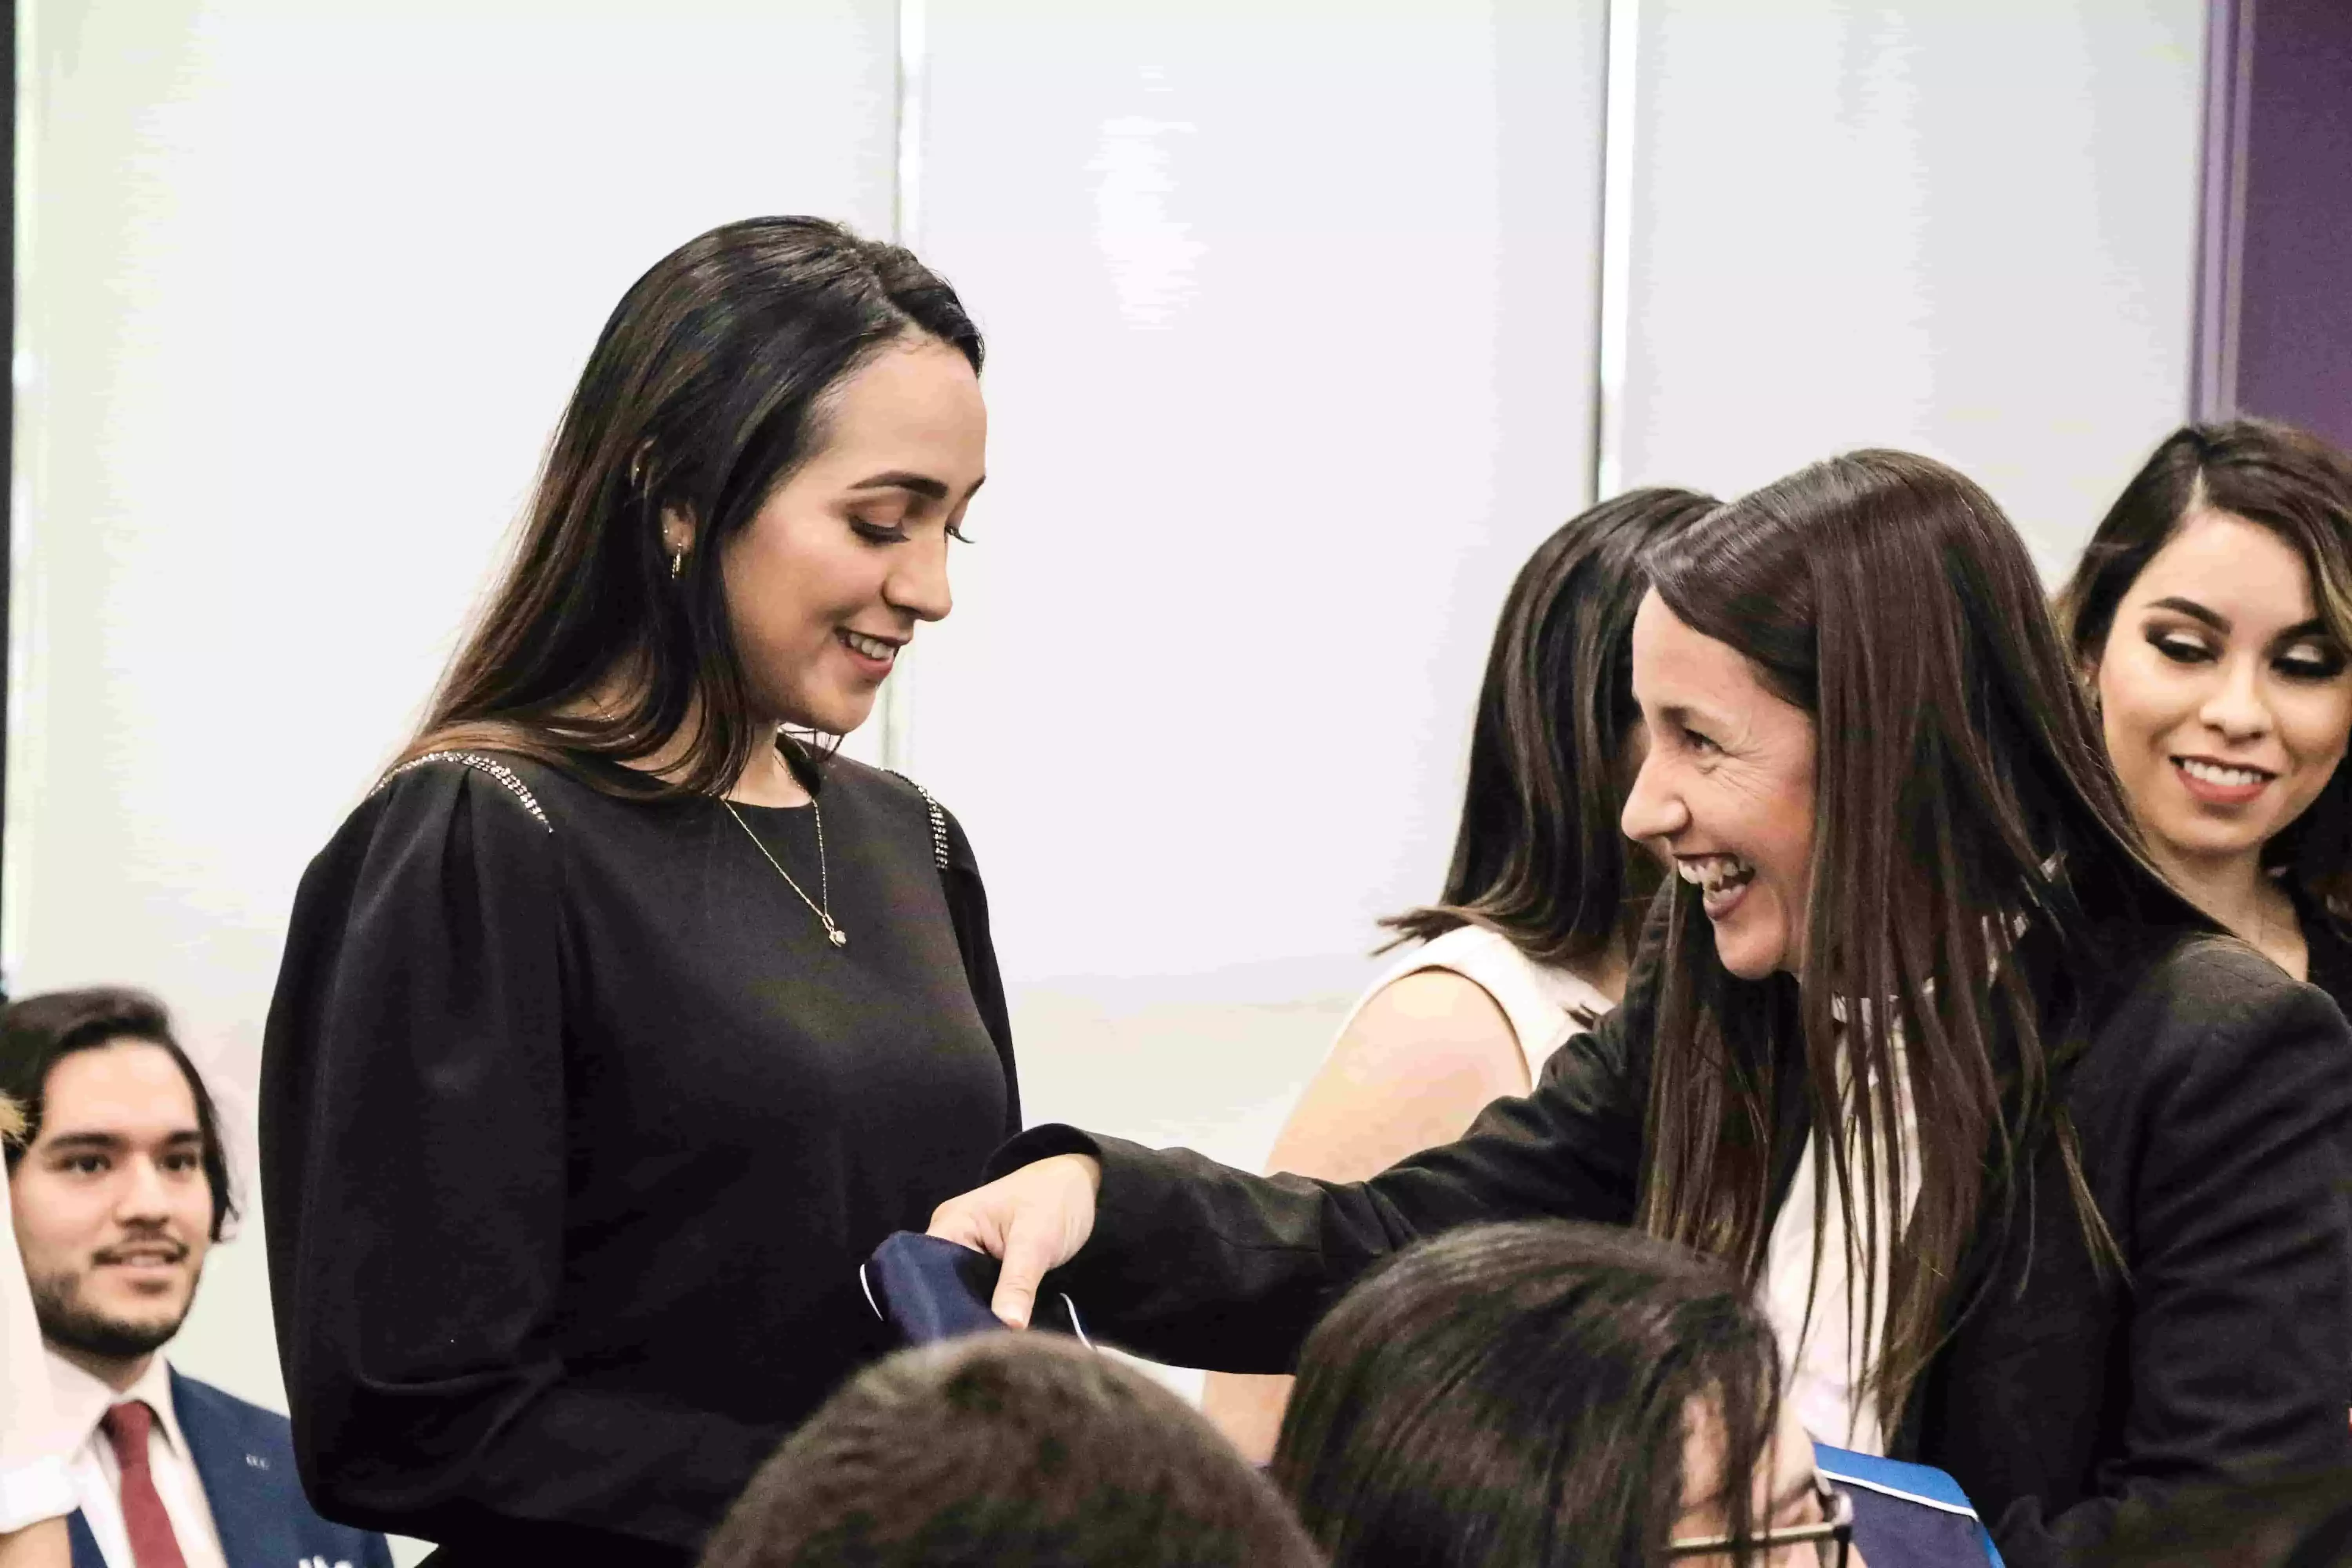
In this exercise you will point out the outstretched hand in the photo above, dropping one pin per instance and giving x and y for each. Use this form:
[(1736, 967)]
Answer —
[(1032, 1221)]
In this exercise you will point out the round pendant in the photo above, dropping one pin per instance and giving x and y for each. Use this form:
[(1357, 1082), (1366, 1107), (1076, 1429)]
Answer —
[(840, 938)]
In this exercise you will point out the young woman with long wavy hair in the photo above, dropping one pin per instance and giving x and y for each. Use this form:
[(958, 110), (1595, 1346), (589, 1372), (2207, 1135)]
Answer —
[(2212, 617)]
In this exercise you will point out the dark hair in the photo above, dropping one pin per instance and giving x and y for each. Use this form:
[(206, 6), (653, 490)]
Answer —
[(1963, 800), (1540, 857), (2300, 488), (706, 390), (1007, 1450), (1521, 1394), (37, 1032)]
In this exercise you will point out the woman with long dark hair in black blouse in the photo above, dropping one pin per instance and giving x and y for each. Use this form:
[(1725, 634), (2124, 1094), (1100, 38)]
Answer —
[(617, 1026)]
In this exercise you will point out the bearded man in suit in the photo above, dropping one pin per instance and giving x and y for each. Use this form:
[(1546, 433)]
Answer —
[(118, 1190)]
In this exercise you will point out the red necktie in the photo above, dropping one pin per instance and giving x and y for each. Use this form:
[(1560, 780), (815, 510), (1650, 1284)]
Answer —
[(153, 1544)]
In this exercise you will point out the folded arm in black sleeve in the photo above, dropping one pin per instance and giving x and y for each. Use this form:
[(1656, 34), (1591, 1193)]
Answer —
[(2209, 1106)]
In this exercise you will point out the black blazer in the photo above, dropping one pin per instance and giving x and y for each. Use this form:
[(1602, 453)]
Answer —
[(2210, 1096)]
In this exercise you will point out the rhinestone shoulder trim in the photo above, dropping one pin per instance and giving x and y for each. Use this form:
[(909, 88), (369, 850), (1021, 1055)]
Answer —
[(489, 766), (939, 821)]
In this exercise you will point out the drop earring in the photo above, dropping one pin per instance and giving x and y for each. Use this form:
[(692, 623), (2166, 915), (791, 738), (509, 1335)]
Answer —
[(677, 565)]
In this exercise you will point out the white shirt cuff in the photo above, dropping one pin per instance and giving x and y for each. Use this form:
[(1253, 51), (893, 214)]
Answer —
[(32, 1492)]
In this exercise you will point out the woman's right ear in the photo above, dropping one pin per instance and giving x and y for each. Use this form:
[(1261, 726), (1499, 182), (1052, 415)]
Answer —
[(677, 531), (678, 540)]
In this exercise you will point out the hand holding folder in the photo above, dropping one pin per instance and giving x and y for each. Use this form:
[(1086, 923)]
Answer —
[(930, 1290)]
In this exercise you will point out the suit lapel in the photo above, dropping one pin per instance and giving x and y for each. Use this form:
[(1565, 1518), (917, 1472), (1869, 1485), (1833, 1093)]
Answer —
[(218, 1452), (85, 1545)]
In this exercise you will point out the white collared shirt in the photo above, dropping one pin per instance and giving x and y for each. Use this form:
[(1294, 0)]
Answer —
[(33, 1444), (82, 1402)]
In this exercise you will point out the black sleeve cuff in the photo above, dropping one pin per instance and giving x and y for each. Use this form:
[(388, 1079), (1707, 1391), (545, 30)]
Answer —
[(1039, 1143)]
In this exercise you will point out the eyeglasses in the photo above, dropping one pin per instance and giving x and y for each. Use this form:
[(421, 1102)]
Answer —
[(1830, 1540)]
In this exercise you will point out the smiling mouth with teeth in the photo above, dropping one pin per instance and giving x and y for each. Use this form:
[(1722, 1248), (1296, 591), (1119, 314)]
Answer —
[(1714, 873), (872, 648), (2215, 774), (138, 1257)]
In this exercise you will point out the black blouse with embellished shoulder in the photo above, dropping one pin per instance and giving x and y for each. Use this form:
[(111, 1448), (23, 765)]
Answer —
[(575, 1128)]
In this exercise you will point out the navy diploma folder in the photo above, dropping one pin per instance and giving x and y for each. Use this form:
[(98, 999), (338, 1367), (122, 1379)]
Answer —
[(930, 1290)]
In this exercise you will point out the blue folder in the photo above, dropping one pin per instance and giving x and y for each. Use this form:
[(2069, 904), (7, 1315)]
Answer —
[(1907, 1514), (930, 1290)]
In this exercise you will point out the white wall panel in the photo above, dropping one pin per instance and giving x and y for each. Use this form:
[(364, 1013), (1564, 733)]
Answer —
[(303, 287), (1966, 230), (1290, 311)]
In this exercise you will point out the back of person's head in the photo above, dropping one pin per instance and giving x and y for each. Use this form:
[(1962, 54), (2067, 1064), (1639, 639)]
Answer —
[(1018, 1450), (1538, 855), (1527, 1393), (2278, 478), (37, 1032)]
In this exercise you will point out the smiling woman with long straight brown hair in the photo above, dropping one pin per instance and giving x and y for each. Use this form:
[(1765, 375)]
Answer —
[(2037, 1174), (618, 1025)]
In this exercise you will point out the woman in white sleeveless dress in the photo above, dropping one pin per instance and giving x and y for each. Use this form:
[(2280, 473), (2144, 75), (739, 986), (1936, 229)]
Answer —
[(1528, 942)]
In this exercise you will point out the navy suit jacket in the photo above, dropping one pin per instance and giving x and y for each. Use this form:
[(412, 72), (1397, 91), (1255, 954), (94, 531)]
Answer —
[(244, 1456)]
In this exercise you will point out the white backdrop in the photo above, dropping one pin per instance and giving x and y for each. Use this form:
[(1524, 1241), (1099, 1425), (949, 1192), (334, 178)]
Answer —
[(1292, 312), (1969, 230), (1290, 327)]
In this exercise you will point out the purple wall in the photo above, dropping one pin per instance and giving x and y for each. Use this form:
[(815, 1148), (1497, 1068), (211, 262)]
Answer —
[(2274, 334)]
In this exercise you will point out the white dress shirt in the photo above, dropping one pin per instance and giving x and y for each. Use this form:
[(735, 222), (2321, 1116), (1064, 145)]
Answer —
[(33, 1445), (1824, 1357), (82, 1403)]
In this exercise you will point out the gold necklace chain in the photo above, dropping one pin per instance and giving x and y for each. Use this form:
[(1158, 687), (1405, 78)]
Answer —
[(820, 906)]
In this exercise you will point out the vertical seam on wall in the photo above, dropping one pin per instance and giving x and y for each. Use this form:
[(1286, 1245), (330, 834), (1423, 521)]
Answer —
[(21, 660), (907, 125), (2241, 113), (2221, 228), (1613, 302), (897, 714)]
